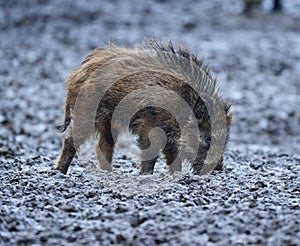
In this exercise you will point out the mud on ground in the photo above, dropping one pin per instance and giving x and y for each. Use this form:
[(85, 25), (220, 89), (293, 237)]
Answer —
[(254, 201)]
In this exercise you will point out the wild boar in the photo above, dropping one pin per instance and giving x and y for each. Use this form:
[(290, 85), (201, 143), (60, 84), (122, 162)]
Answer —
[(163, 95)]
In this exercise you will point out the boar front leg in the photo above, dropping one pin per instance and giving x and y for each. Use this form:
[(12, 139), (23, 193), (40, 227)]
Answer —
[(219, 165), (105, 147), (174, 162), (67, 154), (147, 166)]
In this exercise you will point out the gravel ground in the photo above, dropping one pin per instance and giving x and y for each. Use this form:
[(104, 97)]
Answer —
[(255, 200)]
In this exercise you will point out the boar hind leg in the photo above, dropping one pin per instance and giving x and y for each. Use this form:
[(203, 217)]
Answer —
[(174, 162), (67, 154), (105, 148)]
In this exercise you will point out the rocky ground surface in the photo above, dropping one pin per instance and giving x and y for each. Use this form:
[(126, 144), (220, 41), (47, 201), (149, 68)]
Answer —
[(255, 200)]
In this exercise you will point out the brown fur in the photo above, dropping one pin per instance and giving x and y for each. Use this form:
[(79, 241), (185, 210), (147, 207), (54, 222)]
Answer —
[(143, 68)]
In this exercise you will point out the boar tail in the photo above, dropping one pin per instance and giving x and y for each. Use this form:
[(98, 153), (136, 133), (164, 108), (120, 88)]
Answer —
[(67, 121)]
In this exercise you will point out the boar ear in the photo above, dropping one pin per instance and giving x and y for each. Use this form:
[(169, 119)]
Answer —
[(227, 106), (229, 119)]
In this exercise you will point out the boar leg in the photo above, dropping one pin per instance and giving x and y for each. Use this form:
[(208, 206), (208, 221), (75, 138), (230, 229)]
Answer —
[(147, 166), (67, 154), (105, 147), (219, 165), (174, 162)]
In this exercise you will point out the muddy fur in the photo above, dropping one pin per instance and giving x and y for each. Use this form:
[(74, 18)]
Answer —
[(164, 76)]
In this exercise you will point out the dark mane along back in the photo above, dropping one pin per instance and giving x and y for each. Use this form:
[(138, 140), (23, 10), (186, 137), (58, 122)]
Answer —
[(192, 68)]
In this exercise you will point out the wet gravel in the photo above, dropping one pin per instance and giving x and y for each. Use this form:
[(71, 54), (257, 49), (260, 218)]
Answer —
[(255, 200)]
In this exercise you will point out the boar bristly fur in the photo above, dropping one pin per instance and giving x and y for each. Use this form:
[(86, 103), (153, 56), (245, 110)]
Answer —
[(151, 66)]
